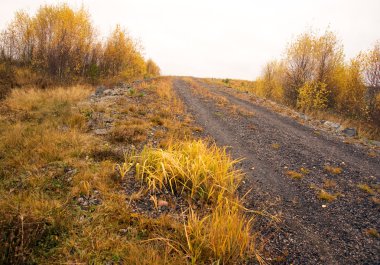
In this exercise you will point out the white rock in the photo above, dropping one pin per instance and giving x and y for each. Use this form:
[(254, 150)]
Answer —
[(100, 131), (331, 124)]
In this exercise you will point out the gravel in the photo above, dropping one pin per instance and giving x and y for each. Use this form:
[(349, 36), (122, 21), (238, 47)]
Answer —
[(311, 231)]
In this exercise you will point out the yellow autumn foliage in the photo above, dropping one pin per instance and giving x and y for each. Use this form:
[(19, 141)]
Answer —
[(152, 68), (314, 76), (62, 43), (313, 95)]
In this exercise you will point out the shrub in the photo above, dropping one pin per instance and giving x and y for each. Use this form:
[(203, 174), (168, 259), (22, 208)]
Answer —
[(314, 76), (7, 79), (313, 95), (350, 99), (226, 81), (152, 69), (375, 113)]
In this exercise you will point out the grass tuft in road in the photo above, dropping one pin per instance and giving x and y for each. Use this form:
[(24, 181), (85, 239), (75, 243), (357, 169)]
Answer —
[(333, 170), (373, 232), (325, 196), (366, 188), (294, 174)]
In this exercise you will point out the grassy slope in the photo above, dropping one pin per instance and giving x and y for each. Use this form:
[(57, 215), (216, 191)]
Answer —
[(63, 196)]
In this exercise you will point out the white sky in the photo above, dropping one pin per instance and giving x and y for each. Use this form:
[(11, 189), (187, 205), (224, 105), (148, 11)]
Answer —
[(220, 38)]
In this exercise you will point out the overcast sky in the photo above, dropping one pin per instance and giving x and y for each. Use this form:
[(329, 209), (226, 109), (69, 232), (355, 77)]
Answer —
[(220, 38)]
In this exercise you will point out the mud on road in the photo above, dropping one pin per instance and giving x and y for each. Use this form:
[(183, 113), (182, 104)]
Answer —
[(312, 230)]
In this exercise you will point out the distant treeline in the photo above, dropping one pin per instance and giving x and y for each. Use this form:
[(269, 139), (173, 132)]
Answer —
[(61, 43), (313, 75)]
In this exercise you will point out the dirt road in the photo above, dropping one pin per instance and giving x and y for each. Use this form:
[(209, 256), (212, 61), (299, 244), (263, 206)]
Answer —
[(312, 231)]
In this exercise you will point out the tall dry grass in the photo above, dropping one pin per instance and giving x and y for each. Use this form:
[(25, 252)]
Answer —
[(41, 138), (46, 101), (202, 172), (192, 167), (46, 166), (222, 237)]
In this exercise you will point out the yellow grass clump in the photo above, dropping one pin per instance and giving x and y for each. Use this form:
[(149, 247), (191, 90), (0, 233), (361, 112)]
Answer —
[(221, 237), (366, 188), (333, 170), (200, 171), (325, 196), (193, 167), (294, 174)]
